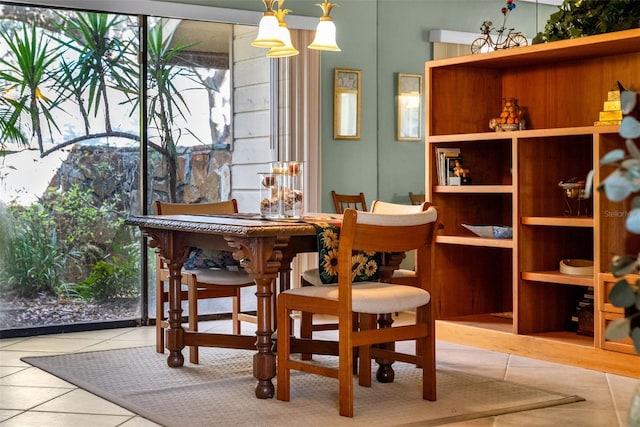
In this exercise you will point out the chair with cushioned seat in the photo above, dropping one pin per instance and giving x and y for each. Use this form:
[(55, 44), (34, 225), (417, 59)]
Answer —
[(370, 232), (206, 274), (311, 277)]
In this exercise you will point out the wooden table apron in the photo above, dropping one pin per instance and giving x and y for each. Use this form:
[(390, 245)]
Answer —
[(266, 248)]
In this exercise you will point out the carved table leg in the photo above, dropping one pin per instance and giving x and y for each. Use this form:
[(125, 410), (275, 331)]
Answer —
[(262, 259), (175, 333), (264, 361), (385, 373)]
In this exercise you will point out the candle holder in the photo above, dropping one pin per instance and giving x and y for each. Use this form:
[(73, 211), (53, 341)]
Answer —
[(282, 190)]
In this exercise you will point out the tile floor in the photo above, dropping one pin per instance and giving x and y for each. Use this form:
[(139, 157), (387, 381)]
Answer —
[(31, 397)]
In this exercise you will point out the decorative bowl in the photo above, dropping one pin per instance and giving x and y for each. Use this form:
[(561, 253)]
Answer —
[(490, 231)]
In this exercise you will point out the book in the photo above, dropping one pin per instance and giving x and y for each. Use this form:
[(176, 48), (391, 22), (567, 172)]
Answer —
[(443, 153)]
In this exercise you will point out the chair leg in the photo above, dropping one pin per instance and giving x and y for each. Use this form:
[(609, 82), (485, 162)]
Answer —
[(236, 303), (192, 290), (367, 322), (159, 316), (283, 391), (345, 375), (306, 330)]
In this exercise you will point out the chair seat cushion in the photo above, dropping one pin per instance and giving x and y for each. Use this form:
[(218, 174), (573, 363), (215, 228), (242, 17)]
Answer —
[(220, 276), (372, 297), (404, 273), (209, 258), (312, 276)]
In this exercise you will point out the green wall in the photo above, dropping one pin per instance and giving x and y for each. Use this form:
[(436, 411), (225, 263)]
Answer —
[(382, 38)]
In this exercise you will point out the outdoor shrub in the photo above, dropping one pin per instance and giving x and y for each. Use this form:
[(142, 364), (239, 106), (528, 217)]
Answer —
[(110, 279), (84, 227), (31, 258)]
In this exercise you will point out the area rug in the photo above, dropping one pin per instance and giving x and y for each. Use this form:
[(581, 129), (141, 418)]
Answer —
[(220, 392)]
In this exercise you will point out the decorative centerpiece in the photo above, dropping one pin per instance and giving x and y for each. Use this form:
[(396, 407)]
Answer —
[(574, 197), (281, 191), (511, 117)]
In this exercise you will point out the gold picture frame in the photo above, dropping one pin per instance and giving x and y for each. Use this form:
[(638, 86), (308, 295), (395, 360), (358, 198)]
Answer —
[(347, 107), (409, 107)]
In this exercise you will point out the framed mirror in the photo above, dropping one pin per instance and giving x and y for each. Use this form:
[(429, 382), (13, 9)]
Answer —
[(409, 107), (347, 88)]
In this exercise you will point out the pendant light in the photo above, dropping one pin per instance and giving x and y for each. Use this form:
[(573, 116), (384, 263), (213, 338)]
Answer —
[(326, 30), (287, 48), (268, 29)]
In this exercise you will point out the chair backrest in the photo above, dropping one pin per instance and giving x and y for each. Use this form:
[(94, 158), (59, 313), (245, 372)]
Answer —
[(344, 201), (226, 207), (380, 232), (379, 206), (416, 198)]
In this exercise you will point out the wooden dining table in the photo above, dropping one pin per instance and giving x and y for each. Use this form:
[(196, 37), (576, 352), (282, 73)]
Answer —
[(266, 248)]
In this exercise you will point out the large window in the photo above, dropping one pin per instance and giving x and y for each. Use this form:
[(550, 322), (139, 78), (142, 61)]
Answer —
[(70, 155)]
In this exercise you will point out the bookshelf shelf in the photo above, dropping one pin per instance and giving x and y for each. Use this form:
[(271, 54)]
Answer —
[(515, 177)]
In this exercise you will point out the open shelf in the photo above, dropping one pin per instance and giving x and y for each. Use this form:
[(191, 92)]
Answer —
[(515, 179), (561, 221), (557, 277), (475, 241)]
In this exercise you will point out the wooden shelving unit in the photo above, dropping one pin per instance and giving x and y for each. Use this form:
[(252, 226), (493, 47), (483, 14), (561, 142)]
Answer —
[(515, 178)]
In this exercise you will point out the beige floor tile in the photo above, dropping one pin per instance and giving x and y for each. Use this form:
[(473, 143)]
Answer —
[(563, 415), (5, 342), (140, 422), (5, 414), (82, 402), (146, 334), (23, 398), (12, 358), (54, 344), (10, 370), (34, 377), (48, 419)]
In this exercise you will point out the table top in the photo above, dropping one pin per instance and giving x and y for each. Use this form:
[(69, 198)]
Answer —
[(240, 224)]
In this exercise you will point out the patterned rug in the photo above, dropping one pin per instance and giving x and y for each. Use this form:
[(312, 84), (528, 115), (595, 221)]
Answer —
[(220, 392)]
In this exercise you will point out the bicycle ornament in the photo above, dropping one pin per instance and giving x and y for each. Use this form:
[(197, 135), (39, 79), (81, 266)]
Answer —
[(505, 39)]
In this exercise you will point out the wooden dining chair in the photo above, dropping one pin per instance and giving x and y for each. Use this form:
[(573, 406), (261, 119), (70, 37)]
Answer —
[(344, 201), (202, 282), (416, 198), (311, 277), (374, 232)]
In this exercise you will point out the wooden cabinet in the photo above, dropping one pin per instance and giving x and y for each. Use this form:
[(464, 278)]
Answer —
[(508, 294)]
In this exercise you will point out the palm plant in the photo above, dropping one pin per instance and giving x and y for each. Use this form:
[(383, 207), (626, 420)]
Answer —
[(166, 103), (101, 63), (26, 72)]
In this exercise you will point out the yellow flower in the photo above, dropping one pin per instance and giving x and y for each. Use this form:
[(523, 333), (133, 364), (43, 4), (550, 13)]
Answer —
[(331, 262), (371, 267), (358, 263), (330, 239)]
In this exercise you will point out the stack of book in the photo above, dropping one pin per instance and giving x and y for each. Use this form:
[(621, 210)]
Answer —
[(449, 166), (582, 318)]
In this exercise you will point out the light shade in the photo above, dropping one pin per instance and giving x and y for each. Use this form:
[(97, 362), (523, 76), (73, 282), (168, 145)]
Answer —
[(287, 49), (325, 36), (268, 32)]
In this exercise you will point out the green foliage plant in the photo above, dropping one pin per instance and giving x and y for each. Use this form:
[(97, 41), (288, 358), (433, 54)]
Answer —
[(166, 103), (26, 70), (579, 18), (31, 257), (622, 183), (111, 279)]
